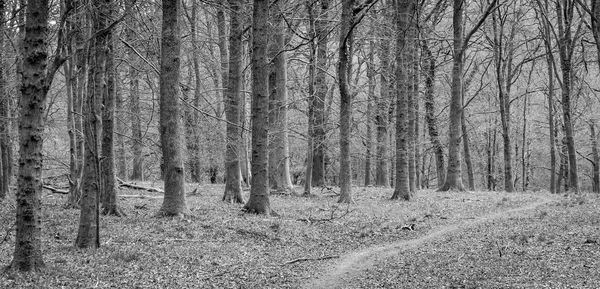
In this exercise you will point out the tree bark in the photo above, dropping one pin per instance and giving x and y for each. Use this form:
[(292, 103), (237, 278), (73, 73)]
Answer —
[(344, 65), (381, 119), (279, 156), (312, 66), (34, 88), (5, 161), (321, 88), (194, 138), (454, 171), (566, 47), (370, 99), (258, 202), (404, 40), (137, 146), (430, 117), (107, 173), (595, 158), (233, 185), (88, 234), (171, 138)]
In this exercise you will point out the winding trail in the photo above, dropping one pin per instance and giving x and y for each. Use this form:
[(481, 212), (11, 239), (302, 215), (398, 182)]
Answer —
[(352, 264)]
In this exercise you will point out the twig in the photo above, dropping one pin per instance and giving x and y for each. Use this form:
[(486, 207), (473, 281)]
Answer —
[(55, 190), (7, 233), (310, 259), (499, 249)]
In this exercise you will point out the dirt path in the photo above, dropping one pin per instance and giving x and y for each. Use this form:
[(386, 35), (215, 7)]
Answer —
[(352, 264)]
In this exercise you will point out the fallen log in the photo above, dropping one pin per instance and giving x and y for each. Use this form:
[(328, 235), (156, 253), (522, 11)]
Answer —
[(55, 190), (138, 187)]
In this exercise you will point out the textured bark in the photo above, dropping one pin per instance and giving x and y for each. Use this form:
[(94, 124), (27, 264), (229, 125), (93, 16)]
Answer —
[(77, 65), (279, 155), (223, 56), (137, 146), (344, 65), (233, 185), (381, 119), (550, 93), (370, 99), (5, 161), (467, 152), (453, 179), (565, 12), (404, 13), (413, 92), (258, 202), (311, 100), (319, 137), (194, 138), (595, 158), (88, 234), (107, 173), (34, 88), (430, 117), (121, 156), (171, 137)]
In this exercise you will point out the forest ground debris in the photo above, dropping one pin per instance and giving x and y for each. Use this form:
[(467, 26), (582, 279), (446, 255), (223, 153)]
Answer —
[(154, 259)]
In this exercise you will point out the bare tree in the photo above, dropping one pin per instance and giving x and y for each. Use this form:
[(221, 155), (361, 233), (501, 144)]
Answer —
[(171, 138)]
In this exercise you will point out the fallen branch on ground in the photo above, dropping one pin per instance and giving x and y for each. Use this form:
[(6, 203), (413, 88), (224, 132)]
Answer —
[(310, 259), (140, 196), (55, 190), (138, 187)]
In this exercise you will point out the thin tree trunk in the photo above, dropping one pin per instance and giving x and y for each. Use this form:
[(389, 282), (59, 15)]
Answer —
[(370, 98), (171, 137), (258, 202), (233, 184), (454, 172), (467, 152), (121, 130), (344, 66), (88, 234), (5, 161), (223, 56), (137, 146), (430, 117), (319, 137), (107, 174), (381, 118), (194, 138), (279, 156), (311, 100), (552, 144), (595, 158)]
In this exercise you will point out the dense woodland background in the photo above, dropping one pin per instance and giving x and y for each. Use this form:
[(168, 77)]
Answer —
[(498, 95)]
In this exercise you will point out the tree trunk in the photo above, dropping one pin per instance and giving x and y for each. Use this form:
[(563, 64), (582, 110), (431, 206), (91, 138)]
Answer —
[(412, 95), (565, 47), (121, 130), (34, 88), (5, 161), (258, 202), (194, 138), (171, 138), (404, 41), (107, 174), (223, 57), (370, 99), (430, 117), (88, 234), (321, 88), (595, 158), (311, 100), (344, 65), (381, 118), (467, 152), (454, 172), (550, 71), (137, 146), (279, 155), (233, 185)]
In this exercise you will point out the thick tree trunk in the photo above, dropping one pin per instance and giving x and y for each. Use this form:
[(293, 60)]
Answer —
[(34, 88), (88, 234), (137, 146), (258, 202), (233, 185), (413, 93), (171, 137), (311, 100), (430, 117), (344, 66), (404, 40), (381, 118), (107, 174), (454, 171), (321, 88), (279, 155), (595, 159)]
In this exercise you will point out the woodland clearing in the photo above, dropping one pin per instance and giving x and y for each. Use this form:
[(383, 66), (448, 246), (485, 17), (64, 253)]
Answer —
[(438, 240)]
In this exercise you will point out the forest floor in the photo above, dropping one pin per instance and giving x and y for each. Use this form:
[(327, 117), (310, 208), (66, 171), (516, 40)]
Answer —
[(458, 240)]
